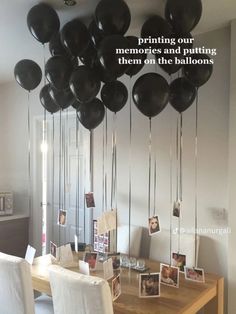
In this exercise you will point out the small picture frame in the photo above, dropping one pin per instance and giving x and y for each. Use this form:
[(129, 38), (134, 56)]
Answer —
[(115, 260), (91, 259), (169, 275), (89, 198), (179, 260), (176, 209), (62, 217), (149, 285), (116, 288), (154, 225), (53, 249), (194, 274)]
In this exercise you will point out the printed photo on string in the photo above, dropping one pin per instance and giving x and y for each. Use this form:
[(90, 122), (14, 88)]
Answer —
[(89, 197), (53, 249), (116, 288), (169, 275), (194, 274), (115, 260), (176, 209), (179, 260), (149, 285), (91, 259), (154, 225), (62, 217)]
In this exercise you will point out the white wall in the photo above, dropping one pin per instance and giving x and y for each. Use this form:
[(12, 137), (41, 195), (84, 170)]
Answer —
[(232, 175)]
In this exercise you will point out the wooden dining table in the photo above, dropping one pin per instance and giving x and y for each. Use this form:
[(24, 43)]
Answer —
[(189, 298)]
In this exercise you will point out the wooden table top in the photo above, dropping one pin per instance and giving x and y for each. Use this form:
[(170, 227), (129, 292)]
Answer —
[(188, 298)]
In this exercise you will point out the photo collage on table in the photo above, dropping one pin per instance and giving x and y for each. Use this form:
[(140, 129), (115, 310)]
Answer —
[(101, 243)]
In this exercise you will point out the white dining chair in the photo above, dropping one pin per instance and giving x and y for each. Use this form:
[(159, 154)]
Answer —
[(16, 291), (75, 293)]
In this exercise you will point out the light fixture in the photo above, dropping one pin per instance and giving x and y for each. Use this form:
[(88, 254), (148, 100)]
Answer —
[(70, 3)]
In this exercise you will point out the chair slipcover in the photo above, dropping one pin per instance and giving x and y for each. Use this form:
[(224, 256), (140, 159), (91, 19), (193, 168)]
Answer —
[(75, 293), (123, 239), (16, 292), (160, 247)]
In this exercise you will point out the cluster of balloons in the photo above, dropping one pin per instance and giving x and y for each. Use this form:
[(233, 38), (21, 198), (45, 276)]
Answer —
[(71, 84)]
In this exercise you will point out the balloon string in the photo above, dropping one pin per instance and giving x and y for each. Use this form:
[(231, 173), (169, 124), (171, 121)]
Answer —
[(64, 164), (171, 184), (44, 63), (181, 159), (77, 176), (177, 160), (150, 166), (130, 157), (91, 170), (196, 181), (84, 198), (106, 143), (155, 186), (53, 173), (59, 181), (29, 158), (112, 164), (103, 168)]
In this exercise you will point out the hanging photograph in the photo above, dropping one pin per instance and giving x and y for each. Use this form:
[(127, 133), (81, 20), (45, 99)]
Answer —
[(115, 260), (179, 260), (176, 209), (53, 249), (89, 198), (101, 243), (169, 275), (149, 285), (154, 225), (194, 274), (116, 288), (62, 217), (91, 259)]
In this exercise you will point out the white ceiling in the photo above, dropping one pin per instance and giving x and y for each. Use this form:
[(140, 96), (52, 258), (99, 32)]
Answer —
[(17, 43)]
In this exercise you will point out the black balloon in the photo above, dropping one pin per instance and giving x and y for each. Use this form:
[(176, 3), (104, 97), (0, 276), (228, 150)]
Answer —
[(55, 46), (91, 114), (43, 22), (151, 94), (172, 67), (135, 68), (103, 75), (114, 95), (76, 104), (75, 37), (183, 15), (109, 57), (201, 72), (46, 100), (28, 74), (182, 94), (84, 84), (58, 70), (96, 34), (63, 98), (112, 18), (89, 56), (156, 27)]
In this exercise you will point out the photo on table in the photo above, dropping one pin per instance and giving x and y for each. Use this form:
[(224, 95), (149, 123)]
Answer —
[(149, 285), (89, 198), (101, 243), (176, 209), (91, 259), (179, 260), (194, 274), (154, 225), (62, 217), (53, 249), (116, 288), (169, 275), (115, 260)]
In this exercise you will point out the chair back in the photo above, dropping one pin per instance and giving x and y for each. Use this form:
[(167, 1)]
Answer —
[(75, 293), (135, 239), (16, 292)]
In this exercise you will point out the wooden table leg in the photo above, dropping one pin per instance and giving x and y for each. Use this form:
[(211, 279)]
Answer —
[(216, 305)]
